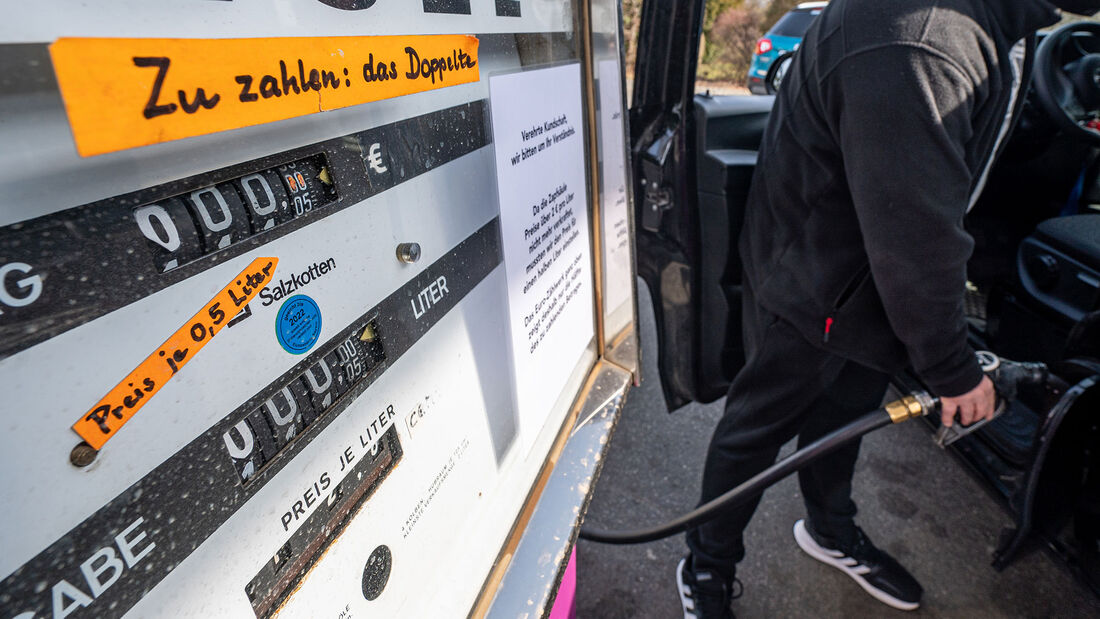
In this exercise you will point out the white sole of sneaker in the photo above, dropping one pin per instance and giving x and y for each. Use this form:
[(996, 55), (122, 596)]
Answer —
[(836, 559), (685, 601)]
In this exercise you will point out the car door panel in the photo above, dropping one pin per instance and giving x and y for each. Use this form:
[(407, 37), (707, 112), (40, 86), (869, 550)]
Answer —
[(728, 132), (694, 157)]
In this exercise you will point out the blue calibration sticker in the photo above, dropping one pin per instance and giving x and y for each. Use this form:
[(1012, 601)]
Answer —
[(298, 324)]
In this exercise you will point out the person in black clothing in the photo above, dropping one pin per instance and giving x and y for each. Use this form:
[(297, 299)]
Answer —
[(854, 252)]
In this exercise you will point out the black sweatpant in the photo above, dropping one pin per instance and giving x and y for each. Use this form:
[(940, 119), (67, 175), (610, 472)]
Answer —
[(786, 387)]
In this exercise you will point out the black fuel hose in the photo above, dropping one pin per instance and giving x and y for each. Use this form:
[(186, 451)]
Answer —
[(750, 488), (1006, 376)]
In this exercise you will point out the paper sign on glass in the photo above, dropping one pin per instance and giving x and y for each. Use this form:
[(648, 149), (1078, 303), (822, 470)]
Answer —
[(538, 131)]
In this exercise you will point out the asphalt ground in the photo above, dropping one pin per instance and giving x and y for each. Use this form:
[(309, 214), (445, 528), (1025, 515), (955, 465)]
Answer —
[(916, 502)]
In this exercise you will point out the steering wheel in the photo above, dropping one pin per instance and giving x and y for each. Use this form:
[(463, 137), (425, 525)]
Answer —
[(1067, 79)]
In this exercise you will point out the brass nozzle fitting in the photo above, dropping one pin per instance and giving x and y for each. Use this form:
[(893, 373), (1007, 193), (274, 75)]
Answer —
[(910, 407)]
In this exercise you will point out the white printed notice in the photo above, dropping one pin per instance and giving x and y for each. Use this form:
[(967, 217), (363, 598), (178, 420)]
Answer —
[(539, 138), (616, 226)]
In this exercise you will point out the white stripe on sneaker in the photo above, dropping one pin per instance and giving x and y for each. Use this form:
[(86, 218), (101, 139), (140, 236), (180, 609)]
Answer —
[(685, 600), (836, 559)]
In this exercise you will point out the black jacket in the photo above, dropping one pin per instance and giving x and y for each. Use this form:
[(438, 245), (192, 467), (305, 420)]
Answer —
[(885, 122)]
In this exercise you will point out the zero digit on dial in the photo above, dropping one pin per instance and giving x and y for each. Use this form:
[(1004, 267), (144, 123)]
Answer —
[(284, 414), (170, 232), (220, 215), (266, 200), (324, 385)]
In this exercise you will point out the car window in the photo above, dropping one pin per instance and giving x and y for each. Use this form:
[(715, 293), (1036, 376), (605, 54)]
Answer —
[(794, 24), (732, 30)]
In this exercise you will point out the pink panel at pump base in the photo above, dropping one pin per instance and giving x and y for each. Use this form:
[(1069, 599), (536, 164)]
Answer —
[(565, 604)]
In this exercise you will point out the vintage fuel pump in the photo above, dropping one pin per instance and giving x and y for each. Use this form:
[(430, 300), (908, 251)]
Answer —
[(312, 309)]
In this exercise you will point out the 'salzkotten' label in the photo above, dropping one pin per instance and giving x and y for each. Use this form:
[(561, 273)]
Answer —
[(123, 93), (103, 420)]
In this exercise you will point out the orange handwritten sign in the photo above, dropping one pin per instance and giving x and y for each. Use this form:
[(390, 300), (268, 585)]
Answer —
[(103, 421), (123, 93)]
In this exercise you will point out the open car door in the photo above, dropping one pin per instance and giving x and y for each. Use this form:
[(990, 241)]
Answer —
[(693, 157)]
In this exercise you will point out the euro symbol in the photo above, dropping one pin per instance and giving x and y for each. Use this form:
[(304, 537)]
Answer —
[(375, 159)]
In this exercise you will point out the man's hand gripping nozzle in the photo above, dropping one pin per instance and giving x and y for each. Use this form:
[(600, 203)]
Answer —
[(1007, 376)]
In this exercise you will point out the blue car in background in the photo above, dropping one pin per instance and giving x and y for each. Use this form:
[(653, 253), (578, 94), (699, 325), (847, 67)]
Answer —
[(775, 49)]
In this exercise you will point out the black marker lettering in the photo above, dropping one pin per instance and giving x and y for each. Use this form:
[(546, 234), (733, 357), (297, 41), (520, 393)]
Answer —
[(99, 416), (131, 401), (269, 87), (200, 101), (302, 74), (216, 314), (237, 301), (414, 64), (152, 110), (290, 82), (177, 356), (246, 83), (378, 72)]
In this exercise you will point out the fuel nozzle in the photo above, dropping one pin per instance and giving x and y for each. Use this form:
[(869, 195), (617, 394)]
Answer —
[(1007, 376)]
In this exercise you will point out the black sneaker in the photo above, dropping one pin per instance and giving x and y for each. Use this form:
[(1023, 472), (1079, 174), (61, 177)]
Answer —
[(703, 595), (877, 572)]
